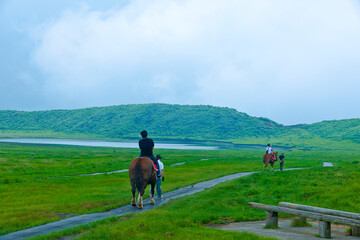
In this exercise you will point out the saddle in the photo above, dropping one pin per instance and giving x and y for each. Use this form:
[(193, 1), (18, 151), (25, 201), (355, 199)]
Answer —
[(154, 166), (272, 156)]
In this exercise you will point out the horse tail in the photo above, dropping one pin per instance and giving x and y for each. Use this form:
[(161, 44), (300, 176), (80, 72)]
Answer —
[(139, 178)]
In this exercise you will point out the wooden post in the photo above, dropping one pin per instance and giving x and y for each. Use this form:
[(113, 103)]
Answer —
[(271, 219), (324, 229), (355, 231), (320, 210)]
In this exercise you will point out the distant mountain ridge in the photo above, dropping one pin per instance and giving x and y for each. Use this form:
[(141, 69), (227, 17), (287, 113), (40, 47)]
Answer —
[(167, 121)]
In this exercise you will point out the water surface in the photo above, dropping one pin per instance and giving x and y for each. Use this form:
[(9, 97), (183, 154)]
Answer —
[(190, 145), (94, 143)]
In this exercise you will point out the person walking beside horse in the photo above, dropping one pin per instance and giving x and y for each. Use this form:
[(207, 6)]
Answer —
[(281, 158), (159, 180)]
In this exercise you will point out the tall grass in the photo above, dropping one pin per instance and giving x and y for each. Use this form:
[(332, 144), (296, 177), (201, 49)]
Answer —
[(184, 218), (30, 195)]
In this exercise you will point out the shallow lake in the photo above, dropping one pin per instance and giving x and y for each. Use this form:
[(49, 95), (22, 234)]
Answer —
[(95, 143), (134, 144)]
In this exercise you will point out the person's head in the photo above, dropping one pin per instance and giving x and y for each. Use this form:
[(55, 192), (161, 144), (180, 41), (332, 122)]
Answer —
[(144, 134), (269, 144), (158, 156)]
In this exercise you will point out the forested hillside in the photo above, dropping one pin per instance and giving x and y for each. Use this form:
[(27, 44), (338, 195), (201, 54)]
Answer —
[(161, 120), (348, 129), (197, 122)]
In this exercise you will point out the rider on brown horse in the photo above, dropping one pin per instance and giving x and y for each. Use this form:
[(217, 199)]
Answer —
[(269, 150), (146, 146), (269, 157)]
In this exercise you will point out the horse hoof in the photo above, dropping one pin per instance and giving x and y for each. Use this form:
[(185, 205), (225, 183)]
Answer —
[(140, 207), (152, 202), (133, 204)]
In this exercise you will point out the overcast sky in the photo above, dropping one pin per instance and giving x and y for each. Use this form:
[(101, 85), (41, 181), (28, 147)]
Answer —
[(288, 60)]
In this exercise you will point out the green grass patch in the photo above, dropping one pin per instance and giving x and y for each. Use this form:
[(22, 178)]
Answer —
[(185, 217), (33, 191)]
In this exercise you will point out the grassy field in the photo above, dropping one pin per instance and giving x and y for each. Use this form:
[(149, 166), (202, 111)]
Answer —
[(34, 192), (184, 218)]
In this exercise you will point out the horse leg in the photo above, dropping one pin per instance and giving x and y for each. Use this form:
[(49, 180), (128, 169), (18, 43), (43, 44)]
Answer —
[(265, 165), (152, 200), (133, 190), (140, 202), (266, 162)]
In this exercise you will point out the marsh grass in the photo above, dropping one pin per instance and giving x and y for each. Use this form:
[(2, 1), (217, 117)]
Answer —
[(30, 195), (185, 217)]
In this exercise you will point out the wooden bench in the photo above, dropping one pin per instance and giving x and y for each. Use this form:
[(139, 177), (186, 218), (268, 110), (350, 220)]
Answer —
[(323, 215)]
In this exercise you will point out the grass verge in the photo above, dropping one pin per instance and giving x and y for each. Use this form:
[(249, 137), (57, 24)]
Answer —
[(184, 218)]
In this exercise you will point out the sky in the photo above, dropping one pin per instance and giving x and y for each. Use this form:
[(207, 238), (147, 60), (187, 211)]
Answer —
[(293, 62)]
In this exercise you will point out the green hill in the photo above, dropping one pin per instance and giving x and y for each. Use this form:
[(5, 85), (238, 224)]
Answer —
[(348, 129), (161, 120), (165, 121)]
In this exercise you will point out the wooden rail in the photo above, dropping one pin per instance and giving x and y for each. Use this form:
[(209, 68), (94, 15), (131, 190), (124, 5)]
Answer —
[(355, 230), (320, 210), (323, 218)]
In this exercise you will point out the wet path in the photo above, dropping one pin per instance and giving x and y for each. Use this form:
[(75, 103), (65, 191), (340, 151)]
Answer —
[(87, 218)]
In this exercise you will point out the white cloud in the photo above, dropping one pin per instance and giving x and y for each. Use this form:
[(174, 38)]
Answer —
[(243, 54)]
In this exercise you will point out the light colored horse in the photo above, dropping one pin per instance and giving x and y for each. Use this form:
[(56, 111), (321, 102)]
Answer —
[(267, 158), (142, 173)]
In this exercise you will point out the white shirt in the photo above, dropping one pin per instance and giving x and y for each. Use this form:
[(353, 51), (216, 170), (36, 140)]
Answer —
[(161, 165), (268, 149)]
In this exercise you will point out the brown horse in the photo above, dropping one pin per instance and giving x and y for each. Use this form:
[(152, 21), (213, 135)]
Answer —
[(142, 173), (267, 158)]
